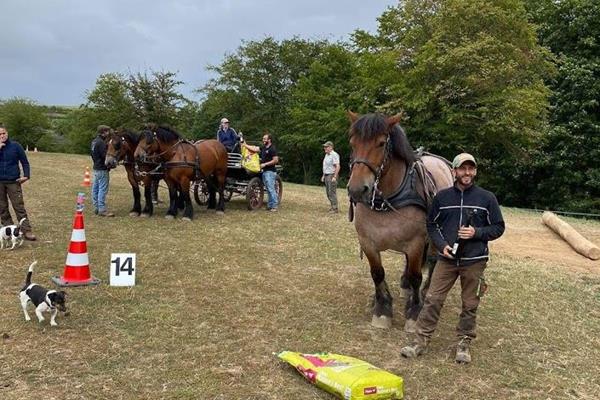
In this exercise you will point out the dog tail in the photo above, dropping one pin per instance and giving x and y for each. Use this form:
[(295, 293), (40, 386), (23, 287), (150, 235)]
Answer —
[(21, 222), (29, 273)]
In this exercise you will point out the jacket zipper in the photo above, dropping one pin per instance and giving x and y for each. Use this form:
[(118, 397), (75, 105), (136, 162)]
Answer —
[(460, 221)]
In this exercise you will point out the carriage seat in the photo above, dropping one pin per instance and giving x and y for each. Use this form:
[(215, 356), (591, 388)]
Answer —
[(234, 160)]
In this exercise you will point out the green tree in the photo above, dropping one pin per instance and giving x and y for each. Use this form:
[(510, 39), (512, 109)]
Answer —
[(112, 103), (25, 120), (568, 171), (155, 98), (471, 79)]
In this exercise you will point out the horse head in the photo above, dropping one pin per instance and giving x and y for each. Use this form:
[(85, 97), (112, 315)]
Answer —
[(376, 141), (116, 148), (148, 144)]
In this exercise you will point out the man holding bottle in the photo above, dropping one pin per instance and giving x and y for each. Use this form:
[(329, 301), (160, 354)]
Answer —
[(448, 228)]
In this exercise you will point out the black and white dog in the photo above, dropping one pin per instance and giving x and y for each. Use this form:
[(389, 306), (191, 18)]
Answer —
[(11, 234), (42, 299)]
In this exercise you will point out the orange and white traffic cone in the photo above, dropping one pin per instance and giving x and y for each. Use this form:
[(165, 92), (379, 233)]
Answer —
[(87, 182), (77, 266)]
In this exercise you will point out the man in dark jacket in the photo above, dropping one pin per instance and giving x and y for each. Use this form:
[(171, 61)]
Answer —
[(11, 154), (101, 172), (463, 213), (228, 136)]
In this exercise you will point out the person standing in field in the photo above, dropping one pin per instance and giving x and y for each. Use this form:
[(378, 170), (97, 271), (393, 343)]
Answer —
[(268, 160), (331, 171), (463, 213), (11, 155), (101, 172)]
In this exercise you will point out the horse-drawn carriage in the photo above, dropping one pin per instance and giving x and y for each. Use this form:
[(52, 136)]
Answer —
[(239, 182)]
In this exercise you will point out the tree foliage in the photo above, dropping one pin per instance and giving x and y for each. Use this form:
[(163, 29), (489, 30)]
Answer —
[(25, 120), (568, 171)]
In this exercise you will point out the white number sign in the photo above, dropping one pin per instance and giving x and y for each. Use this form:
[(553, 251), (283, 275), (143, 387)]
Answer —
[(122, 269)]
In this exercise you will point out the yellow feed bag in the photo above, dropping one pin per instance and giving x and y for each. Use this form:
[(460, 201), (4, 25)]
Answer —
[(346, 377), (250, 160)]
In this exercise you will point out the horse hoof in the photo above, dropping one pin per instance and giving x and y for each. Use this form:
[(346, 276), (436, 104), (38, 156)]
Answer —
[(134, 214), (186, 219), (381, 322), (410, 326), (144, 215), (169, 216), (219, 212)]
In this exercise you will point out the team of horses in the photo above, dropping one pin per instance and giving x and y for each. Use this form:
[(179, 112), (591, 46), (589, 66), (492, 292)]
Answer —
[(390, 188), (159, 152)]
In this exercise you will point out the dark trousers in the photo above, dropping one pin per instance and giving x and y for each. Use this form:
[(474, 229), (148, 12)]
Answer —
[(331, 190), (12, 191), (444, 276)]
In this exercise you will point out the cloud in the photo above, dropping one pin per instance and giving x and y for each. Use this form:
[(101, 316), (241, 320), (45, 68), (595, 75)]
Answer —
[(53, 51)]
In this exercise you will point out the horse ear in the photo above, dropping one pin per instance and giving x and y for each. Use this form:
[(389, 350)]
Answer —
[(352, 115), (391, 121)]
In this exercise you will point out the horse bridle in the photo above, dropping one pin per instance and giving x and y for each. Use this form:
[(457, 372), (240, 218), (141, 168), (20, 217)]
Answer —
[(377, 171)]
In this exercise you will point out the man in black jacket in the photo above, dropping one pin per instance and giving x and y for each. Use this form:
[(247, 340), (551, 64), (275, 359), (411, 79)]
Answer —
[(101, 172), (463, 213), (11, 154)]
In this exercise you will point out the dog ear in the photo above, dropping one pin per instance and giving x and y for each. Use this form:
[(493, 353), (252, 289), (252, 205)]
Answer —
[(63, 293)]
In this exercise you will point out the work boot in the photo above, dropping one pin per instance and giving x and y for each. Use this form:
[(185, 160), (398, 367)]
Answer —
[(463, 355), (105, 214), (418, 347), (29, 236)]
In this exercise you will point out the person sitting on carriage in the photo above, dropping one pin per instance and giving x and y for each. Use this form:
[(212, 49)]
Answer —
[(228, 137)]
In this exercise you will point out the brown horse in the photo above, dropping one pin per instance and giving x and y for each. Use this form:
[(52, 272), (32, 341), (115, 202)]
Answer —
[(391, 188), (120, 149), (184, 162)]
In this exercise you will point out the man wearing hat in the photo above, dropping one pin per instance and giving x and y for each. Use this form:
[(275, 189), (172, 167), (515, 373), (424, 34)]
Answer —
[(101, 172), (331, 170), (228, 136), (463, 213)]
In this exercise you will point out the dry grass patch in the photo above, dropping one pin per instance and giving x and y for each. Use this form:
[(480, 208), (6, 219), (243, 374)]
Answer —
[(214, 298)]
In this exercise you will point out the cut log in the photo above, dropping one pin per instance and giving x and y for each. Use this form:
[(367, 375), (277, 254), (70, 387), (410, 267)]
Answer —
[(571, 236)]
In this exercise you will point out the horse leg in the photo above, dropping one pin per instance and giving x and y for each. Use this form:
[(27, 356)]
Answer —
[(429, 266), (154, 186), (382, 308), (220, 181), (413, 279), (173, 194), (135, 188), (149, 207), (188, 212), (212, 193), (181, 197)]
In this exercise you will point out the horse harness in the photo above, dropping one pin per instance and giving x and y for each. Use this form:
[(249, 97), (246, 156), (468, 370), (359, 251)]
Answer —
[(406, 194), (195, 164)]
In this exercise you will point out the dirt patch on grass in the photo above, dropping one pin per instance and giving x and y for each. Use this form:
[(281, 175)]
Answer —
[(527, 238)]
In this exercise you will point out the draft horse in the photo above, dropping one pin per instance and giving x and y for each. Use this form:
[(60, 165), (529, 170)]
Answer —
[(390, 188), (121, 147), (184, 162)]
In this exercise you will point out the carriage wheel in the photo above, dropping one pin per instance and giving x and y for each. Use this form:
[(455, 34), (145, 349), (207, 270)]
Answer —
[(200, 192), (279, 188), (255, 193)]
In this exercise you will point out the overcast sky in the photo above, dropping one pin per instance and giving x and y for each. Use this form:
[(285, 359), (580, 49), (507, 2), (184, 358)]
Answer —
[(52, 51)]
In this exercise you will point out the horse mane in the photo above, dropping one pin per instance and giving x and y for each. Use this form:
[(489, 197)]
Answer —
[(369, 126), (130, 136), (164, 133)]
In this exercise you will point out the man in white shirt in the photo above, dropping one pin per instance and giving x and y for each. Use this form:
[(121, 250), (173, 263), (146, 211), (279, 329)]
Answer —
[(331, 170)]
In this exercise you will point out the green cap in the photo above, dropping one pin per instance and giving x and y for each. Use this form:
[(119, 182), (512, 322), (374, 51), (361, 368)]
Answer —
[(461, 159)]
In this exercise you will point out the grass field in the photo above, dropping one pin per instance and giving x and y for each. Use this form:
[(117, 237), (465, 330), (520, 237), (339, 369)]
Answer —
[(216, 297)]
